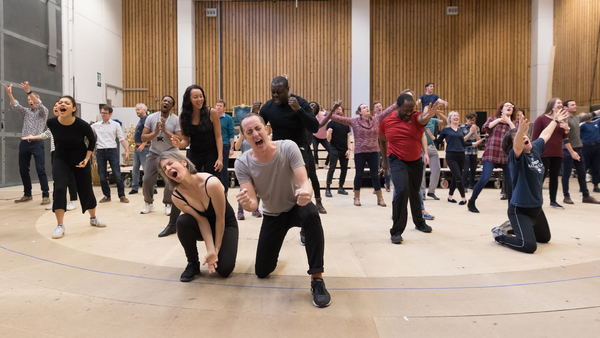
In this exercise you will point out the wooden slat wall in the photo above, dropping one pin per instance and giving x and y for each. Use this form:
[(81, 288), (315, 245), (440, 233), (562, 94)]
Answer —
[(476, 59), (262, 40), (149, 51), (576, 24)]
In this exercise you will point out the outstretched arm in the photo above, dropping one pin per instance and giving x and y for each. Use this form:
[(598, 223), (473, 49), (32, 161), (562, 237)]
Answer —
[(518, 141), (559, 117)]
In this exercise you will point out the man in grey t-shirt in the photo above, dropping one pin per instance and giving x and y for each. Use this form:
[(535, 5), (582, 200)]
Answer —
[(159, 128), (276, 171)]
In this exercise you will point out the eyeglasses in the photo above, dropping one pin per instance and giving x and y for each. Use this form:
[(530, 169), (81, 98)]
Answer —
[(103, 113), (509, 105)]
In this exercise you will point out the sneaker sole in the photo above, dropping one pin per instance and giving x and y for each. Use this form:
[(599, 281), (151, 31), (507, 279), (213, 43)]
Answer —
[(326, 305)]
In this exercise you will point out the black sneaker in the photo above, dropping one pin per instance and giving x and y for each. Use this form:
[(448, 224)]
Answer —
[(133, 192), (321, 297), (191, 270), (432, 195), (328, 193), (397, 239), (556, 206), (596, 189), (302, 237), (341, 191), (424, 228)]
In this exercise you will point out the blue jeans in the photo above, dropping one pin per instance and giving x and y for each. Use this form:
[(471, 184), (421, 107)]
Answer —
[(486, 174), (139, 158), (373, 160), (35, 149), (567, 165), (110, 155), (224, 170)]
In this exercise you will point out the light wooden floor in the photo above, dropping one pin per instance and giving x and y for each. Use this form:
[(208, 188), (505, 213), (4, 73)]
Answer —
[(455, 282)]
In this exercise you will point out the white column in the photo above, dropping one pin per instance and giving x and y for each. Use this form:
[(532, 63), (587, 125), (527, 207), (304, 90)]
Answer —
[(186, 51), (542, 31), (361, 54), (67, 46)]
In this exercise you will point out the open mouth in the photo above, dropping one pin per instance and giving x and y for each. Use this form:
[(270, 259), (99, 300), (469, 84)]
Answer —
[(63, 110), (527, 142), (174, 174), (259, 142)]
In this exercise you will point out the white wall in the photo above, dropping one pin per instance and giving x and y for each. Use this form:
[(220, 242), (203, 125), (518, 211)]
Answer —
[(542, 28), (93, 43)]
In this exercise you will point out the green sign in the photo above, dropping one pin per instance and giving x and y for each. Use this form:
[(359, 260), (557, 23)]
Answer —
[(99, 76)]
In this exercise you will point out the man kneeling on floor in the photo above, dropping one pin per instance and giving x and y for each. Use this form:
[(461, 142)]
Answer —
[(276, 171)]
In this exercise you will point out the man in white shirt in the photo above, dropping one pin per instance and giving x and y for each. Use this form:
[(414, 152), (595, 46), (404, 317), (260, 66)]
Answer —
[(107, 131)]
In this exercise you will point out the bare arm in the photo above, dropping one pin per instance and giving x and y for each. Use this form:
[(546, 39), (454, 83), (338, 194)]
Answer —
[(518, 140), (211, 253), (238, 142), (424, 147), (383, 143), (329, 134), (559, 116), (147, 135), (247, 197), (304, 193), (214, 116), (216, 192)]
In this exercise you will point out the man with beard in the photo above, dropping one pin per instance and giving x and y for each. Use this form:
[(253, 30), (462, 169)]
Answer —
[(159, 128), (400, 139)]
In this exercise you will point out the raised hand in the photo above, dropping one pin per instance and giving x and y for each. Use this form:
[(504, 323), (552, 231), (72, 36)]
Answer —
[(25, 86), (433, 110), (256, 107), (303, 197), (8, 89), (336, 104), (293, 102), (560, 115), (524, 126)]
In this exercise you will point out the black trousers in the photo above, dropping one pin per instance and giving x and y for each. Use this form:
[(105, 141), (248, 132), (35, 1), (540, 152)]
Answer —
[(456, 162), (552, 165), (334, 155), (72, 186), (469, 171), (188, 233), (325, 143), (311, 170), (83, 180), (591, 154), (530, 226), (407, 183), (272, 234)]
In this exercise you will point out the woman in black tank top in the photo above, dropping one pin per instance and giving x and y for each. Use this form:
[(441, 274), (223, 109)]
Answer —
[(206, 216), (201, 130)]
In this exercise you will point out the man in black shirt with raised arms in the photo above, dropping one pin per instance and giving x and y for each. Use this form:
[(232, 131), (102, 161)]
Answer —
[(291, 118)]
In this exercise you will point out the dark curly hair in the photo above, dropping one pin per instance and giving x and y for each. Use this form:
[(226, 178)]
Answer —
[(187, 109)]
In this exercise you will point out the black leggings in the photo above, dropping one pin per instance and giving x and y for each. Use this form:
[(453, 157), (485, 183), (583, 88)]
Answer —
[(553, 165), (334, 155), (456, 162), (311, 170), (325, 143), (272, 235), (188, 233), (72, 186), (530, 226), (83, 180)]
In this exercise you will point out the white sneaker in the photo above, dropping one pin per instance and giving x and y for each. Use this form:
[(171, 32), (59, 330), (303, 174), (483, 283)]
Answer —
[(71, 206), (97, 222), (49, 207), (168, 209), (147, 208), (59, 232)]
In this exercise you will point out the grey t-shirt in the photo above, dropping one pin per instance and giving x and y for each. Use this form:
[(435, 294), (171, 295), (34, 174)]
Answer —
[(274, 181), (161, 143)]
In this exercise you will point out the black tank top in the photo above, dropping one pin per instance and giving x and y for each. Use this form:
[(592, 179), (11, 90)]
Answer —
[(209, 213), (202, 136)]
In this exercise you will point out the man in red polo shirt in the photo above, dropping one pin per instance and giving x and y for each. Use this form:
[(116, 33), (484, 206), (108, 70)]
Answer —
[(400, 140)]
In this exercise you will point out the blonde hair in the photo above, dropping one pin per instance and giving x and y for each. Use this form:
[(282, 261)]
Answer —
[(452, 113), (176, 156)]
